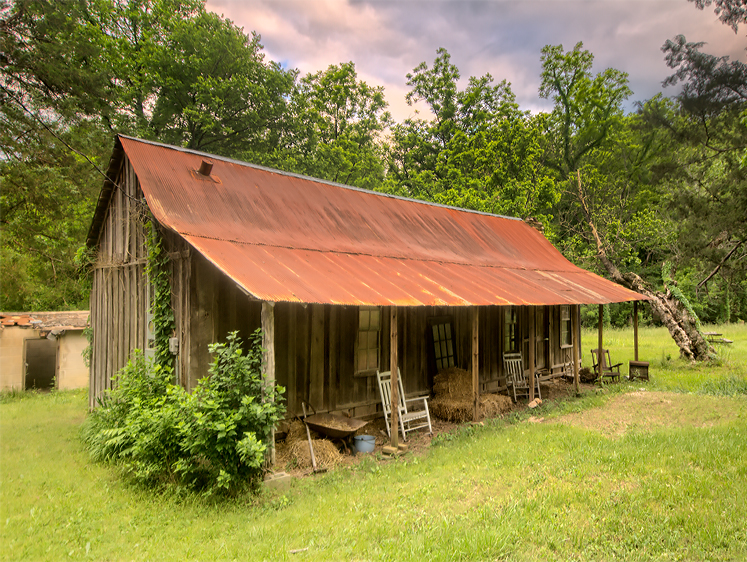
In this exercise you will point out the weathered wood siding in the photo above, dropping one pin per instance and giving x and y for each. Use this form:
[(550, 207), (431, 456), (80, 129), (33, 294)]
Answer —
[(315, 344), (216, 306), (119, 290)]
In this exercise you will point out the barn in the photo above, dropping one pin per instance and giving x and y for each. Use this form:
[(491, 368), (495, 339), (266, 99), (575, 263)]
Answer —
[(343, 281)]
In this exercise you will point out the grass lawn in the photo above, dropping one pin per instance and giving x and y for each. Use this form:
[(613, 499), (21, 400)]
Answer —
[(650, 471)]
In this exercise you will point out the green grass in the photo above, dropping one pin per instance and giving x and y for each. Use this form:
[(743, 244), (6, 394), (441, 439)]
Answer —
[(667, 370), (671, 487)]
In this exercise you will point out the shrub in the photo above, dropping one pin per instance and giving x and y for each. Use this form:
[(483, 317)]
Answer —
[(212, 440)]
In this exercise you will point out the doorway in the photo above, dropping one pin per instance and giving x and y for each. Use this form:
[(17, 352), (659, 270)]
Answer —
[(41, 364)]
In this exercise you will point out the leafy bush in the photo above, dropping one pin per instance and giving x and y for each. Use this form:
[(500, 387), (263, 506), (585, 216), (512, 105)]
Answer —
[(212, 440)]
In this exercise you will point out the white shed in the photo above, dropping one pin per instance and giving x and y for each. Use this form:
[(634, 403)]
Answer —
[(43, 350)]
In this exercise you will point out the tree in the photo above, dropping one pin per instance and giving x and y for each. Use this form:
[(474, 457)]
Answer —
[(587, 107), (339, 122), (710, 171), (75, 72), (587, 122), (479, 150)]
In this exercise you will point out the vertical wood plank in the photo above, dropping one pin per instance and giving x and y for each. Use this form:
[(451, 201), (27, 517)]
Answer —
[(316, 359), (268, 361), (600, 343), (393, 366), (475, 363), (532, 346), (332, 339), (635, 328), (576, 346)]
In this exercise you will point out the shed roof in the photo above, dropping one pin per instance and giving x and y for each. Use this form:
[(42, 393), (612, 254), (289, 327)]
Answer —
[(59, 320), (285, 237)]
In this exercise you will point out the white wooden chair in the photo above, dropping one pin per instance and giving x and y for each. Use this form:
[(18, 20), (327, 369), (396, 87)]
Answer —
[(515, 379), (408, 420)]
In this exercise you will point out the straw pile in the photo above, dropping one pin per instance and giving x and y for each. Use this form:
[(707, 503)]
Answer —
[(453, 401), (295, 450)]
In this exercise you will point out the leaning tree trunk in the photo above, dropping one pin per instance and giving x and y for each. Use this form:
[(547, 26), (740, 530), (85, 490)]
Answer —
[(682, 325)]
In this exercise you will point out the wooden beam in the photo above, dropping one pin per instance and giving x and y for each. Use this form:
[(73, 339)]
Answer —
[(575, 313), (268, 362), (530, 355), (635, 328), (394, 419), (600, 342), (475, 363)]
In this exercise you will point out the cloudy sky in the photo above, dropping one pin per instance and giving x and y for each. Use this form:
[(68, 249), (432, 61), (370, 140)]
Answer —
[(387, 39)]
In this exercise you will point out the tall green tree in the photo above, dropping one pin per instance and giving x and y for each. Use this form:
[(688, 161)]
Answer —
[(710, 169), (339, 127), (587, 122), (478, 150), (74, 73)]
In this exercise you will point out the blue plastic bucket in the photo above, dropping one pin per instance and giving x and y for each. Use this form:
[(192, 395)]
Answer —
[(364, 443)]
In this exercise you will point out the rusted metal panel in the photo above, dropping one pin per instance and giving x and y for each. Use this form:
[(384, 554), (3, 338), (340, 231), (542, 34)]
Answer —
[(283, 237)]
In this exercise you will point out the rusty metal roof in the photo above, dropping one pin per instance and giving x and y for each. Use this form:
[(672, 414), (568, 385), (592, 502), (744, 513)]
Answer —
[(285, 237), (62, 320)]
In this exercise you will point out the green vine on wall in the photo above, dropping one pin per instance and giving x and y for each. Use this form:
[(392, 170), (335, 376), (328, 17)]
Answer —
[(157, 269)]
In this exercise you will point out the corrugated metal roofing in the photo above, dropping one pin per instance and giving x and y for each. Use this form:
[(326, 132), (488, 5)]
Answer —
[(63, 320), (284, 237)]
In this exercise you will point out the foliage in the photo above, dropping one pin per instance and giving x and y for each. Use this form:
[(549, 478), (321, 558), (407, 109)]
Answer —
[(707, 176), (157, 269), (212, 440), (338, 126), (47, 197), (587, 107), (228, 419), (478, 152)]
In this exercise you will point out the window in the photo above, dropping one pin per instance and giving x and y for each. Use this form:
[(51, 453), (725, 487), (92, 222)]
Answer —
[(367, 350), (510, 330), (566, 336), (442, 330)]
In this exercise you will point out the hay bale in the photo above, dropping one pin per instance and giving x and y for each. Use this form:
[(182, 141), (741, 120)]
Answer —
[(586, 375), (454, 382), (453, 401), (460, 411), (294, 451), (325, 453)]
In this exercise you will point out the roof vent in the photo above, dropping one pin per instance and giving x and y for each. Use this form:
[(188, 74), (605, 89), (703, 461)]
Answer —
[(205, 168)]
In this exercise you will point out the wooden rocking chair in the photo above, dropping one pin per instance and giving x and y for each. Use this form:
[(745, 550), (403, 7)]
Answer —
[(515, 379), (408, 421), (605, 368)]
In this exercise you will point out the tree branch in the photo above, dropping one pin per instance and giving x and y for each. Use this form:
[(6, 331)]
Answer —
[(723, 261)]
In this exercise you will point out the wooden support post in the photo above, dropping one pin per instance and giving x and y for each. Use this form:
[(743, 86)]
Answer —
[(530, 355), (268, 361), (475, 363), (600, 342), (576, 311), (635, 328), (394, 419)]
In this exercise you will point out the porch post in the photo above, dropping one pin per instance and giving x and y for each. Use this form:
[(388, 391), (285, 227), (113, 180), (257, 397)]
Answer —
[(268, 360), (635, 328), (576, 346), (530, 358), (600, 344), (394, 420), (475, 364)]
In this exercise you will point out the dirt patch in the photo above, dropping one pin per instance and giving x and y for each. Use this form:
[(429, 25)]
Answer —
[(292, 454), (644, 410)]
